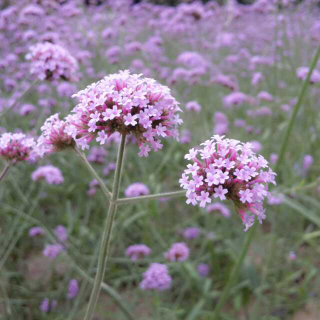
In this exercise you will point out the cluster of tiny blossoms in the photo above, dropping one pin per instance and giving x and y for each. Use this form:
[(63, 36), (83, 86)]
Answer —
[(16, 147), (128, 104), (52, 62), (54, 137), (229, 170)]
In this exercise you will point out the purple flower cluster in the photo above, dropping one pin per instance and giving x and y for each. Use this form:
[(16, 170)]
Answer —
[(52, 62), (178, 252), (16, 147), (136, 189), (54, 137), (137, 251), (156, 278), (229, 170), (128, 104), (51, 174)]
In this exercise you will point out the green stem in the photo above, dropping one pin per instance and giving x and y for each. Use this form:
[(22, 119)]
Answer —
[(296, 109), (105, 243), (5, 171), (152, 197), (234, 273), (104, 188)]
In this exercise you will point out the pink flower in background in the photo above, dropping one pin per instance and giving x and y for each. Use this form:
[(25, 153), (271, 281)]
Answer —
[(178, 252), (256, 146), (273, 158), (226, 81), (61, 233), (52, 250), (47, 305), (224, 210), (185, 136), (26, 109), (52, 62), (302, 73), (49, 173), (73, 289), (128, 104), (257, 77), (307, 163), (156, 278), (203, 269), (137, 251), (193, 106), (16, 147), (35, 231), (266, 96), (235, 99), (54, 136), (191, 233), (229, 170), (97, 155), (136, 189), (292, 255), (221, 123)]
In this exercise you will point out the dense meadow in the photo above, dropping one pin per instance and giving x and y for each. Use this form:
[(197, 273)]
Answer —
[(248, 73)]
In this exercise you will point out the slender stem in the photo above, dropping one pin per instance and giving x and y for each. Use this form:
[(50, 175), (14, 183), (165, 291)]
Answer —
[(105, 243), (104, 188), (296, 109), (5, 171), (26, 91), (173, 194), (234, 274)]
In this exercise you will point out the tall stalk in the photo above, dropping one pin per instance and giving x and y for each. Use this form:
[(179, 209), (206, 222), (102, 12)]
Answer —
[(5, 171), (105, 243), (297, 107)]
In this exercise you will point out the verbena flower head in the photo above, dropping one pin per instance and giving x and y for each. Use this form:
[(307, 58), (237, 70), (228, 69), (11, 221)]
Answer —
[(137, 251), (191, 233), (156, 278), (49, 173), (203, 269), (52, 62), (178, 252), (16, 147), (52, 250), (73, 289), (35, 231), (136, 189), (228, 169), (128, 104), (54, 136), (61, 233)]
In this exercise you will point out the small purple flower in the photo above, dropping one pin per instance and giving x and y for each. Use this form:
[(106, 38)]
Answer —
[(136, 189), (178, 252), (47, 305), (292, 255), (156, 278), (35, 231), (49, 173), (62, 233), (191, 233), (224, 210), (73, 289), (52, 250), (193, 106), (203, 269), (307, 163), (137, 251)]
